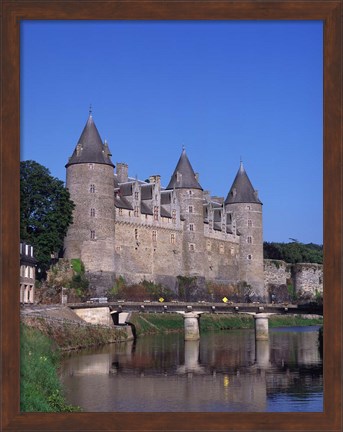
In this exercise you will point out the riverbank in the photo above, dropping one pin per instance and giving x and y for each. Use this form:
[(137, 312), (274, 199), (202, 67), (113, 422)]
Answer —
[(40, 388), (69, 335), (43, 339), (164, 323)]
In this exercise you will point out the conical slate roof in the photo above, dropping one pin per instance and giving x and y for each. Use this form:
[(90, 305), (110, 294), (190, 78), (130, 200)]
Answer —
[(242, 190), (183, 176), (90, 148)]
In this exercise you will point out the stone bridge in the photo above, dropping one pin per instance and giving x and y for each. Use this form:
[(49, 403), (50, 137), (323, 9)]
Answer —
[(204, 307)]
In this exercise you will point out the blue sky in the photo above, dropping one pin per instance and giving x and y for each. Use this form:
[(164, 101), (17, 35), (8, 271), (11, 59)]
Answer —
[(225, 90)]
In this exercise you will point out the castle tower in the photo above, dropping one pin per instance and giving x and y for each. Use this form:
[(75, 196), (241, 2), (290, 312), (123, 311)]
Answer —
[(243, 202), (190, 196), (90, 181)]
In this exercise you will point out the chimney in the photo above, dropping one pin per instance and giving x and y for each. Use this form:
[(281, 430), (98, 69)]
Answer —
[(122, 172), (155, 179)]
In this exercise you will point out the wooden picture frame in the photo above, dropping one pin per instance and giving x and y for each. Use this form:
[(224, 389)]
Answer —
[(330, 12)]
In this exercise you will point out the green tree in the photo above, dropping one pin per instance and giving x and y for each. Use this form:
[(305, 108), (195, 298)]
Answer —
[(294, 252), (45, 211)]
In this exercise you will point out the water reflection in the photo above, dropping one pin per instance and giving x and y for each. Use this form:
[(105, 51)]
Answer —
[(225, 371)]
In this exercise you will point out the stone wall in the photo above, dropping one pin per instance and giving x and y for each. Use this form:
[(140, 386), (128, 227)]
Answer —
[(308, 279), (305, 279), (98, 315), (276, 272)]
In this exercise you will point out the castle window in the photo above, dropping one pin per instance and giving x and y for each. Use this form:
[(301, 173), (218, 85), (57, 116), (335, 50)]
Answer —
[(249, 257), (190, 209), (232, 251), (92, 235), (91, 166), (154, 236), (190, 192), (249, 223), (92, 212), (92, 188), (191, 227), (156, 213), (174, 216), (249, 239), (248, 207), (229, 218), (221, 248), (118, 249), (172, 238), (136, 234), (136, 211), (136, 195), (191, 247), (208, 245), (120, 212)]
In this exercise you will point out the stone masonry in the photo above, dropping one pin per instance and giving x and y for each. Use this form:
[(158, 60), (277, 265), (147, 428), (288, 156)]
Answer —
[(137, 229)]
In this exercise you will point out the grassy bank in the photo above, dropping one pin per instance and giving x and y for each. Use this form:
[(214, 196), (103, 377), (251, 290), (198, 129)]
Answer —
[(40, 388), (162, 323), (69, 335)]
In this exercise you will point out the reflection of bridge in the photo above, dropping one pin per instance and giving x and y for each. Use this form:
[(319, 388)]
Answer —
[(129, 306)]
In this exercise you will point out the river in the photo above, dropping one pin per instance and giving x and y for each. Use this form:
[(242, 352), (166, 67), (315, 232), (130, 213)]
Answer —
[(225, 371)]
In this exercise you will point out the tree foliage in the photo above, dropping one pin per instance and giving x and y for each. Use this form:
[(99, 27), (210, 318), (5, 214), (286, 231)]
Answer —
[(45, 211), (294, 252)]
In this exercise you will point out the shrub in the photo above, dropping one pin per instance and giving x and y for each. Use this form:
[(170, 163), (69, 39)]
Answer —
[(40, 389)]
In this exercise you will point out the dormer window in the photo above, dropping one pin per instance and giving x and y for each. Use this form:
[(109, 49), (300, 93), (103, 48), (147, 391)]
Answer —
[(156, 213), (174, 216), (78, 149)]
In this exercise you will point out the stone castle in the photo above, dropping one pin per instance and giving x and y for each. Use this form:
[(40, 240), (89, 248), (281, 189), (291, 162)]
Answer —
[(137, 229)]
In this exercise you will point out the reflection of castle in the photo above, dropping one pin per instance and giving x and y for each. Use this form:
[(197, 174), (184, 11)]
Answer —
[(138, 229), (235, 378)]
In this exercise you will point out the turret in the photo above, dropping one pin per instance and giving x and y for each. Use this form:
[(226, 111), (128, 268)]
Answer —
[(243, 202), (190, 196), (90, 181)]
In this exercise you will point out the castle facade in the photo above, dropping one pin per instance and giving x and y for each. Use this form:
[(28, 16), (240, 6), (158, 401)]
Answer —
[(137, 229)]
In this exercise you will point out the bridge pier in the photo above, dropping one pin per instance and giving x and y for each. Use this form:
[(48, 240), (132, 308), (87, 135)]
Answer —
[(261, 326), (191, 323)]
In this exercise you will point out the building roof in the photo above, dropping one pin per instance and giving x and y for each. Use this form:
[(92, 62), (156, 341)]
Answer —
[(242, 190), (122, 202), (90, 148), (183, 176), (166, 197), (146, 191)]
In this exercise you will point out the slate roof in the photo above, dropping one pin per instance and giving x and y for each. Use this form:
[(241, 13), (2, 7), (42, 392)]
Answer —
[(90, 148), (125, 189), (165, 213), (146, 192), (186, 176), (122, 202), (242, 190), (165, 197), (145, 209)]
